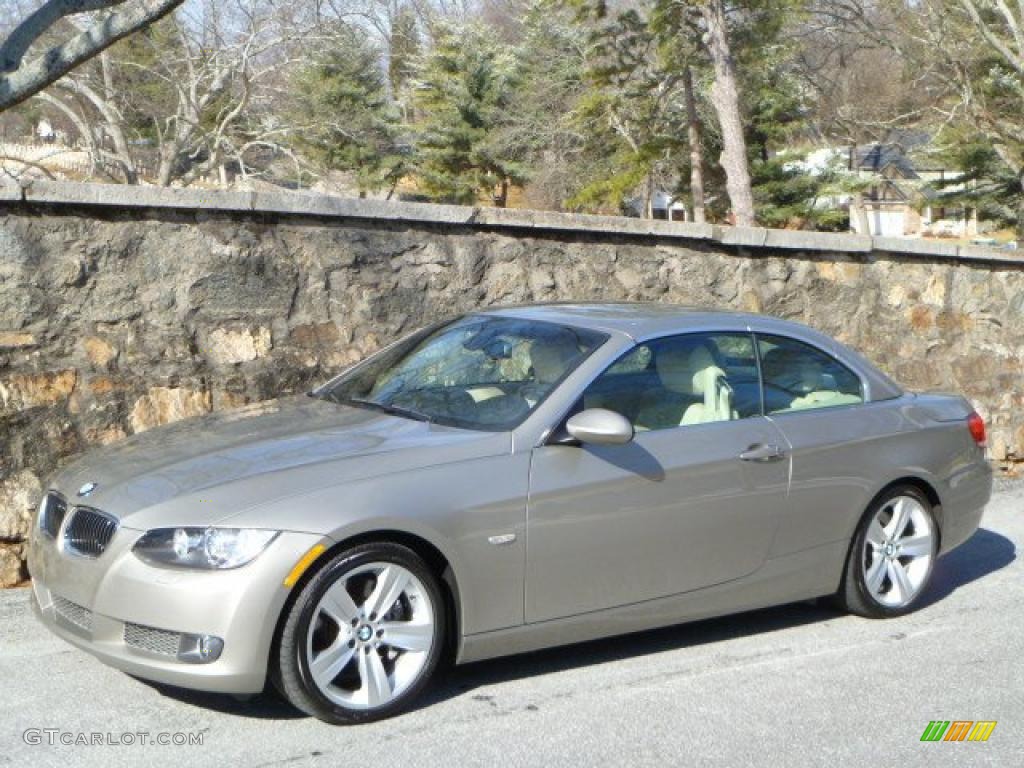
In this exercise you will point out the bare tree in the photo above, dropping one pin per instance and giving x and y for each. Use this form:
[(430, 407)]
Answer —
[(201, 90), (999, 117), (856, 57), (93, 110), (82, 119), (981, 47), (222, 73), (20, 80)]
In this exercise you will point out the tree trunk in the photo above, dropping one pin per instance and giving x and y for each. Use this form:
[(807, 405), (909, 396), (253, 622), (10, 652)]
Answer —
[(857, 209), (725, 98), (112, 120), (131, 173), (696, 154), (1020, 212), (501, 199), (166, 168)]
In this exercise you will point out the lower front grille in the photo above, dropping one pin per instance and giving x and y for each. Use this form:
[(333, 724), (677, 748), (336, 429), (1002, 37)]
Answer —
[(151, 639), (89, 531), (73, 613)]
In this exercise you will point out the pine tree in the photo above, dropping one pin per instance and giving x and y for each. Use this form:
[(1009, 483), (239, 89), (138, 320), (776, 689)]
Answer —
[(635, 109), (404, 49), (351, 124), (985, 182), (462, 94), (539, 131)]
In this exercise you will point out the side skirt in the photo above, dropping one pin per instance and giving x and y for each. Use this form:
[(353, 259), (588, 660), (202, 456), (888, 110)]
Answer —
[(799, 576)]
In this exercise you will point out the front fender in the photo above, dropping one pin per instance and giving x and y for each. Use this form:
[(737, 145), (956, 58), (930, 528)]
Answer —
[(456, 508)]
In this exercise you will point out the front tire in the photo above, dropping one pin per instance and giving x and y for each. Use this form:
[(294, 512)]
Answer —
[(363, 637), (892, 556)]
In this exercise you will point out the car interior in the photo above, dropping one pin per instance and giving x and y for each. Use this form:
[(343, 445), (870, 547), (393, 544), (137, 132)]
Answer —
[(802, 378), (679, 381), (664, 383), (706, 378)]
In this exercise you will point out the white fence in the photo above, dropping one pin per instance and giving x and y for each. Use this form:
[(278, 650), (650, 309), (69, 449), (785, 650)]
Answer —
[(64, 161)]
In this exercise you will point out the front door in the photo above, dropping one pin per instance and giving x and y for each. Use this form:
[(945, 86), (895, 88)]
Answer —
[(676, 509)]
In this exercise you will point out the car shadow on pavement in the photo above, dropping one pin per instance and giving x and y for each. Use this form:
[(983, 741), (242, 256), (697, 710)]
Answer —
[(985, 553), (265, 706)]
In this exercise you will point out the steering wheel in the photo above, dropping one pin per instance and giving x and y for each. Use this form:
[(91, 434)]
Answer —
[(450, 401)]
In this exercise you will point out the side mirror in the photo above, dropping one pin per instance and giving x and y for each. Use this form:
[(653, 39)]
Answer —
[(600, 427)]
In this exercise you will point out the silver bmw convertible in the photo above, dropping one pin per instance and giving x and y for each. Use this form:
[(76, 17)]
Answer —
[(509, 480)]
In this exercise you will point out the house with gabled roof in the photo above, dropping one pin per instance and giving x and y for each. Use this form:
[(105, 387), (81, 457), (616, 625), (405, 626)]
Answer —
[(901, 200)]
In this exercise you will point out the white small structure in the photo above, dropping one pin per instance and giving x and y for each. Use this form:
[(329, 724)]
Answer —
[(663, 206), (45, 131)]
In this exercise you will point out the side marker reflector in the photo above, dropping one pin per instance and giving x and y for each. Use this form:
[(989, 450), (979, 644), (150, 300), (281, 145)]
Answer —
[(303, 564)]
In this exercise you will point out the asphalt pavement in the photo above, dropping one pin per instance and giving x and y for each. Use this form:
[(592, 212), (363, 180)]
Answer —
[(797, 685)]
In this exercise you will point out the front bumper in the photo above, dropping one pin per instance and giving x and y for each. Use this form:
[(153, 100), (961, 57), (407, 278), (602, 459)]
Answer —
[(91, 602)]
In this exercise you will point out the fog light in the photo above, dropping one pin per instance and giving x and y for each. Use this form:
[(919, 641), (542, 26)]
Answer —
[(199, 649)]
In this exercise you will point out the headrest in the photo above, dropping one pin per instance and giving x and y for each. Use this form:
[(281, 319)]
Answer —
[(793, 369), (687, 370), (551, 356)]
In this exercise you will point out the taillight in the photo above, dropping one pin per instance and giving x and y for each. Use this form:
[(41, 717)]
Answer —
[(976, 425)]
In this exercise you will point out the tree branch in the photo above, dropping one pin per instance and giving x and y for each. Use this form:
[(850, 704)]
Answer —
[(28, 79), (1013, 60), (35, 26)]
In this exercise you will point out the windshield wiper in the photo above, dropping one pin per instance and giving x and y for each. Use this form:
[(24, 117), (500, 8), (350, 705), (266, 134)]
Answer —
[(394, 410)]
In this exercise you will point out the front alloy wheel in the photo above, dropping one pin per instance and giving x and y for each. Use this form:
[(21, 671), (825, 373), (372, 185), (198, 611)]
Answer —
[(893, 555), (363, 636)]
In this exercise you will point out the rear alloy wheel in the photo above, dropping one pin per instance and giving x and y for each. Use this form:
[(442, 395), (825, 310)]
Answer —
[(363, 637), (892, 556)]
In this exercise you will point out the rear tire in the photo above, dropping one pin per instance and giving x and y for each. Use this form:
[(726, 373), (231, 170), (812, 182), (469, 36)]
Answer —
[(364, 636), (892, 556)]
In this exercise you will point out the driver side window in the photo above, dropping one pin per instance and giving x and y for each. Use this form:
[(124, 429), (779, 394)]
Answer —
[(676, 381)]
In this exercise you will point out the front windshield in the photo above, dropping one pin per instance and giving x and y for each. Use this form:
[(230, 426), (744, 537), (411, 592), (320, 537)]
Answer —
[(478, 372)]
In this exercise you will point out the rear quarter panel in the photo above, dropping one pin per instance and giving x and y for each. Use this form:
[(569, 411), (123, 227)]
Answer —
[(843, 457)]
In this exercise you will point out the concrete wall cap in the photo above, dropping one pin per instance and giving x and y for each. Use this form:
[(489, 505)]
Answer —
[(325, 206)]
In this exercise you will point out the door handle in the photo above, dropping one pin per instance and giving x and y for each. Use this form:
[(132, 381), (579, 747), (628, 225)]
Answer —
[(763, 453)]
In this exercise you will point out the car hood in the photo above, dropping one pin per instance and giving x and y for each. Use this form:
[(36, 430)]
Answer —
[(204, 470)]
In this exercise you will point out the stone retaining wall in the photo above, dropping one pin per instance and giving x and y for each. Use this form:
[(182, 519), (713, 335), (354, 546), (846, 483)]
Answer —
[(124, 308)]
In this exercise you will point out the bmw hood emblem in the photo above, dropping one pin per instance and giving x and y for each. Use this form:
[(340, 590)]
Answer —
[(88, 488)]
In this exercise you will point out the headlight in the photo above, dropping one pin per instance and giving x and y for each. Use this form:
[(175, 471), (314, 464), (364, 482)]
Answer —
[(206, 548)]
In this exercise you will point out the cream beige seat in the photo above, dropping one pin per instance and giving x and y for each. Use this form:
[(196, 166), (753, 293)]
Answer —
[(701, 391), (823, 398), (550, 359)]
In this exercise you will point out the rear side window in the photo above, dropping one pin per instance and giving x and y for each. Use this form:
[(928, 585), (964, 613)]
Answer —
[(799, 377)]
